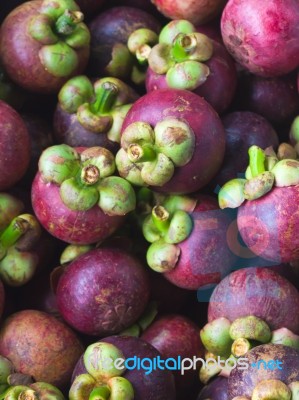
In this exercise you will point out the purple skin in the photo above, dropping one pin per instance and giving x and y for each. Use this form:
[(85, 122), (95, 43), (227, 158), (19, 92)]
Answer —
[(216, 390), (41, 137), (2, 298), (220, 86), (113, 27), (41, 346), (256, 291), (211, 29), (20, 52), (205, 123), (144, 5), (76, 227), (68, 130), (158, 385), (175, 335), (103, 292), (14, 146), (205, 256), (242, 382), (243, 129), (169, 298), (276, 99), (89, 7), (269, 225), (253, 31)]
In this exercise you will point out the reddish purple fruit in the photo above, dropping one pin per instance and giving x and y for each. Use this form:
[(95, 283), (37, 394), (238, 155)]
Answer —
[(69, 225), (263, 36), (32, 37), (158, 385), (256, 291), (39, 345), (205, 257), (14, 146), (174, 335), (181, 135), (216, 390), (103, 292), (276, 99), (260, 381), (243, 129), (197, 12), (269, 225)]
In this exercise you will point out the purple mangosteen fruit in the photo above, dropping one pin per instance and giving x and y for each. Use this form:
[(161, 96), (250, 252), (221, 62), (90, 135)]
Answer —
[(189, 239), (145, 383), (198, 12), (216, 390), (41, 346), (276, 99), (253, 31), (110, 30), (171, 140), (175, 335), (14, 146), (267, 201), (75, 195), (103, 291), (91, 114), (187, 59), (44, 43), (243, 129), (272, 373), (256, 291)]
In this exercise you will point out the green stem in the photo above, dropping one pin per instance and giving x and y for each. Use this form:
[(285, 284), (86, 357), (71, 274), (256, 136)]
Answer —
[(12, 233), (182, 46), (67, 22), (141, 153), (106, 97), (257, 159), (160, 218)]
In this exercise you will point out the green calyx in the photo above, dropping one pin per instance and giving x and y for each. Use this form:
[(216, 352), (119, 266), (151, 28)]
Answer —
[(273, 389), (251, 328), (149, 156), (180, 55), (100, 106), (294, 130), (85, 387), (102, 361), (285, 337), (266, 170), (59, 29), (215, 336), (86, 179), (34, 391), (167, 225)]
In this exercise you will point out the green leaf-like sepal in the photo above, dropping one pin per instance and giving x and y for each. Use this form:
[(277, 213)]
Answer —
[(58, 59), (58, 163), (78, 197)]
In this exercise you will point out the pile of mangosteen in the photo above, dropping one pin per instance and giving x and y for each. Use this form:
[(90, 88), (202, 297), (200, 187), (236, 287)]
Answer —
[(149, 200)]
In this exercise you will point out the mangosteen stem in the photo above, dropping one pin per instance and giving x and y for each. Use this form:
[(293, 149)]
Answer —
[(240, 347), (15, 230), (141, 153), (183, 45), (106, 97), (90, 175), (67, 22), (160, 218), (257, 159), (28, 394)]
